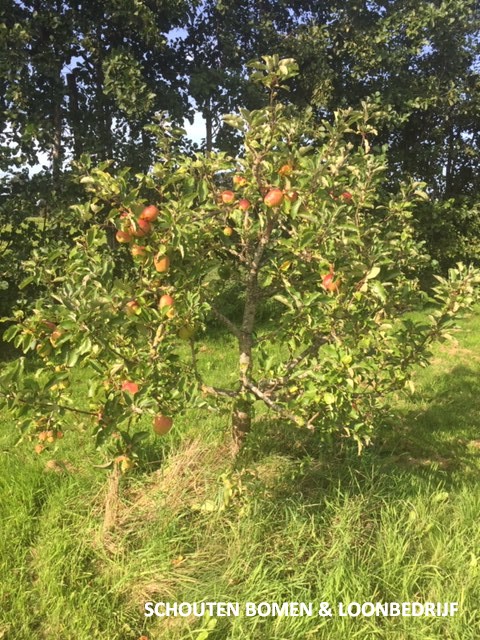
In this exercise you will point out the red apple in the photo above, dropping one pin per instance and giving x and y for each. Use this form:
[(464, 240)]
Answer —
[(162, 424), (161, 262), (150, 213), (239, 181), (273, 198), (130, 387), (56, 335), (143, 228), (227, 197), (138, 251), (166, 301), (244, 204), (285, 170), (347, 196), (329, 283), (123, 237), (49, 325)]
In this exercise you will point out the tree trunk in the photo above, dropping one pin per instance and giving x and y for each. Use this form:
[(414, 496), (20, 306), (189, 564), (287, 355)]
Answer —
[(241, 423), (243, 409), (57, 140), (75, 115), (208, 131)]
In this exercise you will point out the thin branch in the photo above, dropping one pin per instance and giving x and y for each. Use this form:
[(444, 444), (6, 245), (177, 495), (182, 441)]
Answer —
[(271, 385), (213, 391), (228, 323), (194, 362), (269, 402), (216, 391), (318, 341), (50, 405)]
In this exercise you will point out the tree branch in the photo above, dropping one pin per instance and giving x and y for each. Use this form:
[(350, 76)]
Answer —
[(50, 405), (270, 385), (261, 395), (216, 391), (228, 323)]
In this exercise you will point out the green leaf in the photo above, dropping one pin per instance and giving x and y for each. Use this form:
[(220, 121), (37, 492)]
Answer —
[(379, 290), (24, 283), (373, 273), (329, 398)]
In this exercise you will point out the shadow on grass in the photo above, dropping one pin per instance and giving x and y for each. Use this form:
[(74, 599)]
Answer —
[(437, 442), (444, 435)]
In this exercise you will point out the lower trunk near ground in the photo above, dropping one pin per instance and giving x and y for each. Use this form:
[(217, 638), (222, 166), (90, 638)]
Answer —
[(241, 422)]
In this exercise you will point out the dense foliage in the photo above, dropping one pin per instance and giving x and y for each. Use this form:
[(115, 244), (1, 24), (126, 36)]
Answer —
[(89, 78), (307, 224)]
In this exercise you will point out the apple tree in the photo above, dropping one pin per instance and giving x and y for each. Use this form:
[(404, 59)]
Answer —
[(299, 227)]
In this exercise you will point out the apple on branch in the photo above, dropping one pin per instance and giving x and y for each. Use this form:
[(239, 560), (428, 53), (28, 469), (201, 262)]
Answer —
[(328, 281), (244, 204), (142, 228), (227, 196), (150, 213), (239, 181), (162, 424), (186, 332), (285, 170), (132, 308), (166, 302), (123, 237), (161, 262), (138, 251), (130, 387), (273, 198)]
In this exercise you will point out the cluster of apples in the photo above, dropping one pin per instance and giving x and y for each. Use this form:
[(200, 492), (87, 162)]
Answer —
[(346, 196), (46, 438), (161, 424), (138, 228), (273, 197)]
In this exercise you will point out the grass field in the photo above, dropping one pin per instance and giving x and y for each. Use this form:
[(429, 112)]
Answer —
[(287, 523)]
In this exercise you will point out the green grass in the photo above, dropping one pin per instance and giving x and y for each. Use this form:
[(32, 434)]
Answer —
[(400, 523)]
